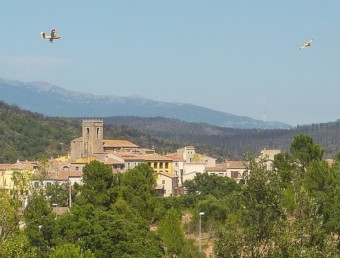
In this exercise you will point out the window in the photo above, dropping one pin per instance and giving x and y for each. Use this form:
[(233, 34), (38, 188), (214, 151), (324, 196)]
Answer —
[(163, 182), (98, 133), (166, 165)]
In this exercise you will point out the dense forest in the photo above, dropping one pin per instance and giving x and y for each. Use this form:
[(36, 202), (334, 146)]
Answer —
[(26, 135), (233, 143)]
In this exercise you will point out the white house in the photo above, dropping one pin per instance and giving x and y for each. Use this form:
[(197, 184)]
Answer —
[(167, 184), (191, 169), (232, 169), (269, 155)]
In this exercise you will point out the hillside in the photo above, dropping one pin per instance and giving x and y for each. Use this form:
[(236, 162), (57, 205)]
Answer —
[(26, 135), (52, 100), (233, 142)]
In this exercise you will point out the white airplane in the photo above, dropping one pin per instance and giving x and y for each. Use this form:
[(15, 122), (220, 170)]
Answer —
[(51, 37), (307, 44)]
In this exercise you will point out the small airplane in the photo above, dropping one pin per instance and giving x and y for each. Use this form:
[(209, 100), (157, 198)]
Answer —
[(306, 44), (51, 37)]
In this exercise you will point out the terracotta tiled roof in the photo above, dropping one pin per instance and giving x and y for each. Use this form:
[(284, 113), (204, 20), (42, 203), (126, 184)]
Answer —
[(235, 164), (119, 144), (75, 173), (18, 166), (217, 169), (155, 157), (222, 167), (111, 161), (130, 156), (175, 157), (63, 175), (5, 167)]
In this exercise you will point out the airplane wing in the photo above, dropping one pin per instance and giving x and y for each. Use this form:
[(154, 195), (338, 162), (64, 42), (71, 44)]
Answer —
[(307, 44)]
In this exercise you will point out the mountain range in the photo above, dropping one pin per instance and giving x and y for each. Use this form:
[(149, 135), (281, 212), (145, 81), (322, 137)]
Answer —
[(50, 100)]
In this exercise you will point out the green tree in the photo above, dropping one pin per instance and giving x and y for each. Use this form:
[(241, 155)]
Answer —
[(9, 218), (305, 235), (337, 157), (304, 150), (256, 226), (171, 232), (17, 245), (215, 213), (98, 184), (107, 234), (71, 251), (285, 167), (40, 224), (137, 188), (57, 194), (204, 184), (190, 250), (21, 182)]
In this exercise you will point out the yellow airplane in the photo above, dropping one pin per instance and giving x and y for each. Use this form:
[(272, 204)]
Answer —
[(307, 44), (51, 37)]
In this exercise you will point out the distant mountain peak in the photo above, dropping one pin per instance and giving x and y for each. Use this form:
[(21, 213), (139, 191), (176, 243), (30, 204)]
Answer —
[(50, 100)]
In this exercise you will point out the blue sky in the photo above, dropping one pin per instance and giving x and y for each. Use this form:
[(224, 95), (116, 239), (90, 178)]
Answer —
[(239, 57)]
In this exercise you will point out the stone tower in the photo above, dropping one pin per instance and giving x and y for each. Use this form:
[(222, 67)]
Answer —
[(90, 142), (92, 136)]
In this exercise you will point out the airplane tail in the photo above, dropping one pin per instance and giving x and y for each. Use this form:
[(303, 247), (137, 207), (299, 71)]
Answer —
[(42, 34)]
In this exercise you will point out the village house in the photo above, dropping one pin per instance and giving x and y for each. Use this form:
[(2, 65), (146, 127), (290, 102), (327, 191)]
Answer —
[(233, 169), (25, 170), (191, 169), (114, 146), (167, 185), (177, 166), (268, 156)]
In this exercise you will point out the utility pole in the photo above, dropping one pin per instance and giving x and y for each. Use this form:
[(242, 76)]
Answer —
[(69, 194), (200, 231)]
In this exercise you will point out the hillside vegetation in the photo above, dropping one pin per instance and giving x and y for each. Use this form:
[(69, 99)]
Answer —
[(27, 135), (233, 142)]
